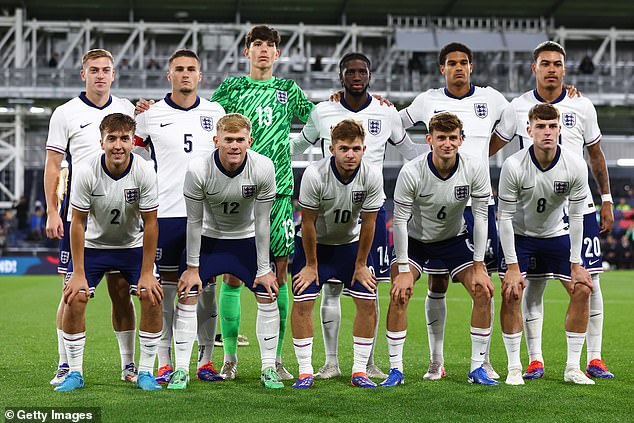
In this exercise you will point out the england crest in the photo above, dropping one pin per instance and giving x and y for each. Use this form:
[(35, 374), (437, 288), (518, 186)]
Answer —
[(248, 191), (132, 195), (358, 197), (374, 126), (461, 192), (561, 187), (569, 119), (282, 96), (481, 110), (207, 122), (64, 257)]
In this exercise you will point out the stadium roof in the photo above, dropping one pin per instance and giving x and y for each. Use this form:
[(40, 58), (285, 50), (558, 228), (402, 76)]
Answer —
[(569, 13)]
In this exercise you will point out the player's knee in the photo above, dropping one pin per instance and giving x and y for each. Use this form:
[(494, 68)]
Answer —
[(481, 296), (303, 308), (438, 283), (581, 292), (231, 280), (367, 307)]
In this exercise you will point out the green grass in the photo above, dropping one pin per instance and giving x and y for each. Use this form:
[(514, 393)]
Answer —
[(29, 354)]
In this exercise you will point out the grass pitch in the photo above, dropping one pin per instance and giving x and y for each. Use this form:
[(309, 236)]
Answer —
[(29, 357)]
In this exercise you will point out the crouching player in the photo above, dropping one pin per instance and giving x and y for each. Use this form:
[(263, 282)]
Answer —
[(228, 197), (535, 184), (118, 193), (429, 201), (334, 192)]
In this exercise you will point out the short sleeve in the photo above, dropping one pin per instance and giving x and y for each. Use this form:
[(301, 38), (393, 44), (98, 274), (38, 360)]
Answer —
[(57, 132), (81, 189), (507, 128), (374, 198), (309, 189), (149, 187)]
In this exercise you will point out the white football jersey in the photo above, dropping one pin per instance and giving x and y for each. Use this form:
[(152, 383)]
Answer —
[(114, 204), (437, 204), (339, 204), (229, 199), (539, 196), (176, 136), (381, 124), (578, 119), (74, 128), (479, 111)]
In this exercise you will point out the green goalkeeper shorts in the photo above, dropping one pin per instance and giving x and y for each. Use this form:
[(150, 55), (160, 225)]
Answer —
[(282, 227)]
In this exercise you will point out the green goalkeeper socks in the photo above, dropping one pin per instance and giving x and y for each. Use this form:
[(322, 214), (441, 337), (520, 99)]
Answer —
[(229, 304)]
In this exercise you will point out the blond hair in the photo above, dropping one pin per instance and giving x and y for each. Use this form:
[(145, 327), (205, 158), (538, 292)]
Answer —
[(233, 122), (96, 53)]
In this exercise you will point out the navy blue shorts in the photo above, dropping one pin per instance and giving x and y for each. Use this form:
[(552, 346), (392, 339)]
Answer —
[(333, 262), (542, 257), (64, 250), (436, 267), (98, 262), (171, 243), (455, 254), (234, 256)]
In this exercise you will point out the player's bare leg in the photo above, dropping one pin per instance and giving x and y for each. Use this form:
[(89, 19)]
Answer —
[(123, 323), (281, 273), (436, 317), (576, 327)]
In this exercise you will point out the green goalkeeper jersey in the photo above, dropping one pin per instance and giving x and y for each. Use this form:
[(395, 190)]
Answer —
[(270, 105)]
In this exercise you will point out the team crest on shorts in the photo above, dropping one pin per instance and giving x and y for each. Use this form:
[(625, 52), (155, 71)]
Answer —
[(159, 254), (569, 119), (481, 110), (561, 187), (282, 96), (358, 197), (461, 192), (64, 257), (132, 195), (374, 126), (248, 191), (207, 122)]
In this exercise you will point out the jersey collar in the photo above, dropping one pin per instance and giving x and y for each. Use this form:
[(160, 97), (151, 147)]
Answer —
[(113, 177), (555, 101), (531, 151), (82, 97), (347, 106), (225, 171), (168, 100), (435, 171), (470, 93), (333, 166)]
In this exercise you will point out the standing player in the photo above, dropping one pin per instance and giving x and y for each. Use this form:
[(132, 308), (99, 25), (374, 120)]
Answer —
[(334, 193), (381, 125), (177, 129), (534, 186), (117, 192), (579, 129), (479, 109), (270, 103), (429, 200), (229, 195), (74, 134)]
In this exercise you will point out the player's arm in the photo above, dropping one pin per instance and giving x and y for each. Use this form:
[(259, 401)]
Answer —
[(495, 144), (366, 236), (601, 176), (148, 286), (404, 195), (193, 191), (309, 273), (479, 206), (504, 131), (576, 207), (307, 137), (54, 225), (77, 283), (142, 105), (264, 275), (400, 139), (508, 195)]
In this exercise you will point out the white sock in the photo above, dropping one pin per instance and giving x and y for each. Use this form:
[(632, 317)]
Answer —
[(165, 346), (395, 342), (362, 348), (575, 345), (533, 313), (61, 349), (75, 343), (148, 346), (330, 312), (488, 352), (512, 343), (594, 336), (376, 330), (126, 340), (479, 340), (207, 313), (436, 315), (184, 334), (304, 353), (267, 330)]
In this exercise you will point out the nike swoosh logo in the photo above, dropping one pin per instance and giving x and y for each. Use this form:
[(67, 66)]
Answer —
[(268, 339), (393, 355), (482, 353), (163, 125), (98, 195), (439, 111), (590, 263), (327, 321), (528, 187), (595, 315), (179, 343), (213, 193), (85, 125), (531, 320), (432, 322), (426, 195)]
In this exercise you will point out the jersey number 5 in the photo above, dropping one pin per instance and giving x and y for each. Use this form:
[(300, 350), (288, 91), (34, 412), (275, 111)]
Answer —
[(188, 143)]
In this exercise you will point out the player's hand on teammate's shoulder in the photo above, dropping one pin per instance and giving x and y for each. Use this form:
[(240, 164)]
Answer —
[(149, 287), (77, 285), (579, 275), (402, 287), (269, 282), (188, 280), (336, 97), (304, 278), (142, 105), (365, 277), (573, 91), (54, 226)]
